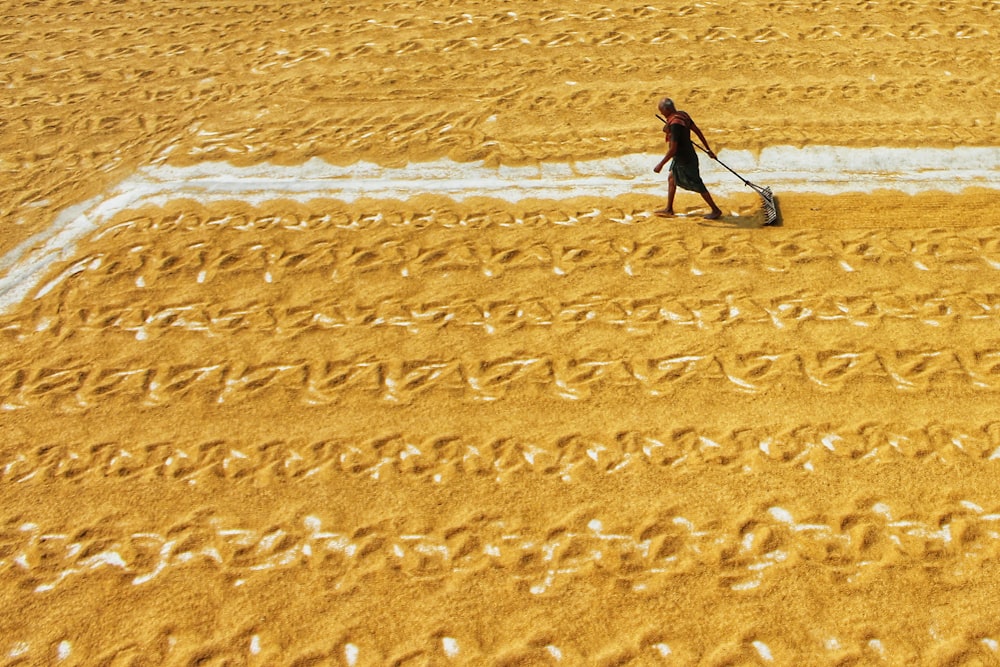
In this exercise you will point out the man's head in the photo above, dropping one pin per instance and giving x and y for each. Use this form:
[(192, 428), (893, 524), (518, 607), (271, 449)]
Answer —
[(666, 106)]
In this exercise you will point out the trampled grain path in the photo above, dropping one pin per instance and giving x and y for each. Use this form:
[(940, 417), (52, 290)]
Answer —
[(485, 432), (96, 90)]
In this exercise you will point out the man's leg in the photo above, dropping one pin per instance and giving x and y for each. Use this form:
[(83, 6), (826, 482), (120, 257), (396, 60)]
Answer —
[(671, 191), (716, 211)]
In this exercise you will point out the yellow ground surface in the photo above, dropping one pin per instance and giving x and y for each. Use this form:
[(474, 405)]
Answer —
[(431, 432)]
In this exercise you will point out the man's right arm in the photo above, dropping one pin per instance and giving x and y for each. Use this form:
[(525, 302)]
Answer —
[(704, 141)]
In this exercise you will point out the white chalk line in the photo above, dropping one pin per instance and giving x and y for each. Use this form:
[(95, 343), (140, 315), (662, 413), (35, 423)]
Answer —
[(819, 169)]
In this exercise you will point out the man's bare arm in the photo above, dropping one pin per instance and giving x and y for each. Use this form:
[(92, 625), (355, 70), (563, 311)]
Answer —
[(671, 151), (704, 141)]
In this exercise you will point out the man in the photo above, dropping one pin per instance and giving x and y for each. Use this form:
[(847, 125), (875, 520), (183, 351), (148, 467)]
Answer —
[(684, 171)]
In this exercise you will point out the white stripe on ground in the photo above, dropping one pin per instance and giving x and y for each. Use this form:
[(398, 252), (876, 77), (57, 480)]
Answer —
[(817, 169)]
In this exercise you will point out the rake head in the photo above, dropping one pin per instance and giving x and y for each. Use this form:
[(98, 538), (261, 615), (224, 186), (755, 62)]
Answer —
[(767, 200), (770, 208)]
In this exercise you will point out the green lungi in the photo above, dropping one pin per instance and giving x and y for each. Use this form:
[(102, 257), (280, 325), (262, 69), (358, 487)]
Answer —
[(687, 175)]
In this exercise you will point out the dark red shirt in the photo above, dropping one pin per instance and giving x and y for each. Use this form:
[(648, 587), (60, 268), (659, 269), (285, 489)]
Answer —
[(680, 132)]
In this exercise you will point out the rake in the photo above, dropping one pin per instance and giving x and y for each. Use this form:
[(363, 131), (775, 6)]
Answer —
[(766, 196)]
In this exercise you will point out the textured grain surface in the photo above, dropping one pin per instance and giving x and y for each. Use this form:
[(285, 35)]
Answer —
[(482, 432)]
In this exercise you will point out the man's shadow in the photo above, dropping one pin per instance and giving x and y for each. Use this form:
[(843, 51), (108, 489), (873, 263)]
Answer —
[(755, 221)]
